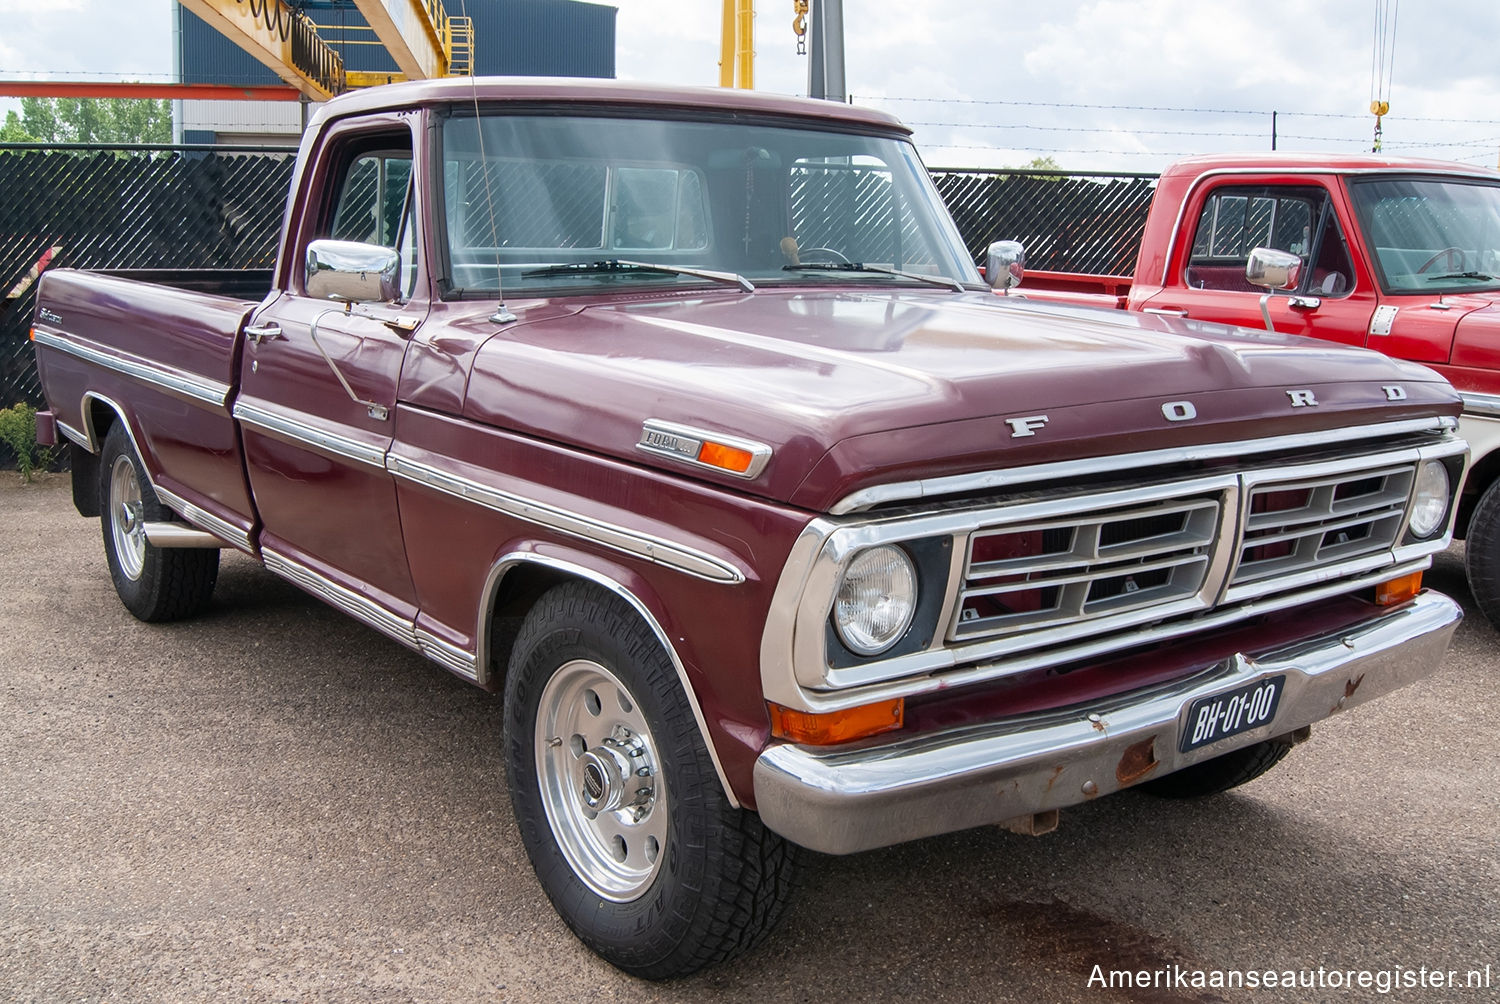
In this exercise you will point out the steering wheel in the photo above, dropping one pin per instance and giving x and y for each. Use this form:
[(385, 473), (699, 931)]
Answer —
[(836, 255), (1455, 258)]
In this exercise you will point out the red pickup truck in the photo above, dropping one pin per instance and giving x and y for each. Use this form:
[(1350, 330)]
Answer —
[(1398, 255), (683, 420)]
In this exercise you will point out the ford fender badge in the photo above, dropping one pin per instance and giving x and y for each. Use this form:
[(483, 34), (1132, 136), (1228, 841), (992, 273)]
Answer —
[(1021, 427), (49, 316)]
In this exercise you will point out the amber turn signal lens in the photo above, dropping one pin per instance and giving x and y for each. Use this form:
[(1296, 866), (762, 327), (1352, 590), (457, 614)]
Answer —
[(829, 727), (727, 458), (31, 334), (1388, 594)]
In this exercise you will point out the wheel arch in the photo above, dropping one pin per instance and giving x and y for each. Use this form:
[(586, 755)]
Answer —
[(518, 579), (1483, 473)]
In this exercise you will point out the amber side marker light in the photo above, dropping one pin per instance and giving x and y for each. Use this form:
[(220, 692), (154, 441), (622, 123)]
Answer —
[(829, 727), (31, 334), (727, 458), (1393, 591)]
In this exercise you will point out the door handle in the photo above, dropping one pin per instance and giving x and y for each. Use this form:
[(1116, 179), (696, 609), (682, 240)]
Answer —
[(258, 333), (1166, 311)]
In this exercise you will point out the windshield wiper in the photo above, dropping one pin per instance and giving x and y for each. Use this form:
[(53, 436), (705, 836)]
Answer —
[(1461, 275), (620, 265), (855, 266)]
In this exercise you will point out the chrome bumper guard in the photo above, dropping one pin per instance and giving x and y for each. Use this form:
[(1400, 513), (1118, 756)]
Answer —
[(842, 800)]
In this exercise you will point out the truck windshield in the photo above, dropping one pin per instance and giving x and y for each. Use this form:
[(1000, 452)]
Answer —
[(553, 205), (1431, 235)]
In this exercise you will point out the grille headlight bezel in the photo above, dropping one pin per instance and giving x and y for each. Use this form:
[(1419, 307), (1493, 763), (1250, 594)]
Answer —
[(876, 599), (1430, 499)]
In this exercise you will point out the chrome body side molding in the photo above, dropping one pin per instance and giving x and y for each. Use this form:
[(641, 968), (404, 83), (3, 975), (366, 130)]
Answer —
[(302, 433), (205, 520), (641, 545), (188, 386), (368, 612)]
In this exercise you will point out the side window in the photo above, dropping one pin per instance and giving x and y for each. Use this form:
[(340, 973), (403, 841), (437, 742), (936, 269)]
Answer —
[(1298, 220), (372, 199), (374, 204)]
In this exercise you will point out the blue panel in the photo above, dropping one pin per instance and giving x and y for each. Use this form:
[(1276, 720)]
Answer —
[(547, 38)]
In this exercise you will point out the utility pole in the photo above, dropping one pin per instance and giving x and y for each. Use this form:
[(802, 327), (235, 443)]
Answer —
[(825, 70)]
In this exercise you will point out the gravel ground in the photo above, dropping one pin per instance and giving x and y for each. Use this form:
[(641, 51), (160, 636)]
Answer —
[(274, 803)]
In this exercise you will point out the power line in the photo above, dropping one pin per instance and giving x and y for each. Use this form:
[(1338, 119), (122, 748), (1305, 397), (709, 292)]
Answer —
[(1107, 129), (1161, 108)]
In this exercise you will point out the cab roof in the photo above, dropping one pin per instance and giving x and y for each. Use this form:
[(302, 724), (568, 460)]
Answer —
[(548, 90), (1330, 163)]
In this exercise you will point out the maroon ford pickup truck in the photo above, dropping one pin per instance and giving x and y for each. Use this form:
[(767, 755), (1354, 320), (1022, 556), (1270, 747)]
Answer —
[(682, 419)]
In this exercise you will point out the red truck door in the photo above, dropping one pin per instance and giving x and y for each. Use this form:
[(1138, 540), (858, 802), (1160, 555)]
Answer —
[(1226, 218), (315, 449)]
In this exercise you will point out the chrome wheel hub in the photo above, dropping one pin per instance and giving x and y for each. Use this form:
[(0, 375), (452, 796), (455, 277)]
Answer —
[(599, 776), (127, 522)]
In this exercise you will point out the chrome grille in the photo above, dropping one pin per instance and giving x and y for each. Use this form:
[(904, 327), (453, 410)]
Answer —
[(1083, 565), (1298, 525)]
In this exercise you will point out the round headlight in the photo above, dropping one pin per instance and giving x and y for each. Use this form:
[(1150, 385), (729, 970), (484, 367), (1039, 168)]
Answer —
[(876, 600), (1429, 507)]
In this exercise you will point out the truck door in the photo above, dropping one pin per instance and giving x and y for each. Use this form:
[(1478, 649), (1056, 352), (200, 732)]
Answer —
[(317, 405), (1334, 300)]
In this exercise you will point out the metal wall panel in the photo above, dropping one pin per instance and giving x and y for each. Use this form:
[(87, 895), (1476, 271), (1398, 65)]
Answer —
[(548, 38)]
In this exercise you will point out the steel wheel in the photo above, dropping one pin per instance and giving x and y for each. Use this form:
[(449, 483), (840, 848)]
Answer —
[(600, 779), (127, 517), (155, 584)]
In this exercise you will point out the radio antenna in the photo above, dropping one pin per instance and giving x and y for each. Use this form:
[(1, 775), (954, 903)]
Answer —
[(502, 314)]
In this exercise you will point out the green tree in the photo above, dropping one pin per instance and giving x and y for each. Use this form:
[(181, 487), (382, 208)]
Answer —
[(90, 120), (1041, 164), (13, 131)]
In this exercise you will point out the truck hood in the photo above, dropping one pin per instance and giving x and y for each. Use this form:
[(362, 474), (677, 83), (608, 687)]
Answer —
[(850, 390)]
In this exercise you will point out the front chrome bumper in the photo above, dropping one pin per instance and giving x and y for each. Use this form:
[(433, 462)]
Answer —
[(843, 800)]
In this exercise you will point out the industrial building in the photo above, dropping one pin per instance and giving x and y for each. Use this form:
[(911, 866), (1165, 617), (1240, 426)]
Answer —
[(548, 38)]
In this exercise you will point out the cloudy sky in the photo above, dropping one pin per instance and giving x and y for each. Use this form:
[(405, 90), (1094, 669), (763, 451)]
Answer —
[(1097, 85)]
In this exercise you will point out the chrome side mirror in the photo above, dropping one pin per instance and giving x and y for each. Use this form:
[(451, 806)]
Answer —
[(351, 272), (1004, 265), (1272, 269)]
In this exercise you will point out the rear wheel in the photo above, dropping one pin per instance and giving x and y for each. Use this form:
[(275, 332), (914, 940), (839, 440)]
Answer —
[(155, 584), (1221, 773), (619, 806)]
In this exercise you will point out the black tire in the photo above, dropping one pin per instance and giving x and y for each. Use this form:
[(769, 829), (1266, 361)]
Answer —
[(718, 880), (1221, 773), (1482, 554), (155, 584)]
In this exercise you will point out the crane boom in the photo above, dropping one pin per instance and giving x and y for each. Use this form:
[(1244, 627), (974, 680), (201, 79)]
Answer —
[(413, 32), (281, 38)]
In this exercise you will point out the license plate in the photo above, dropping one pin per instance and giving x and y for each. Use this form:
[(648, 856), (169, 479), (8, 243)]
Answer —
[(1220, 716)]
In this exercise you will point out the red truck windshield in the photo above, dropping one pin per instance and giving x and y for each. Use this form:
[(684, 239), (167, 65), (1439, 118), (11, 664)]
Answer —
[(539, 200), (1430, 235)]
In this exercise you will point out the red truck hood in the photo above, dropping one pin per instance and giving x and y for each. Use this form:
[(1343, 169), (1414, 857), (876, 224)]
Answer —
[(856, 389)]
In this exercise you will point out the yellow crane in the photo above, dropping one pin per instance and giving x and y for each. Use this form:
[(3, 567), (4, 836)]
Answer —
[(737, 45), (423, 39)]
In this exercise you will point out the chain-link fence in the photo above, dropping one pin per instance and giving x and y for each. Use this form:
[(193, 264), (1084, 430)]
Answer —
[(220, 208), (126, 208), (1068, 222)]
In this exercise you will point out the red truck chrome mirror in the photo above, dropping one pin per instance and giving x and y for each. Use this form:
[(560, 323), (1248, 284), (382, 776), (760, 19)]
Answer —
[(1004, 265), (1272, 269), (351, 272)]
